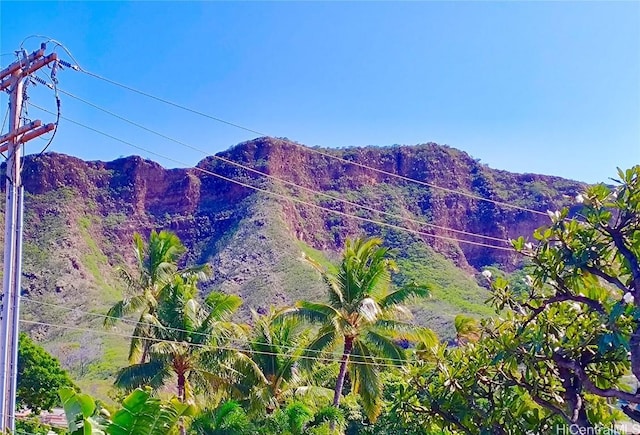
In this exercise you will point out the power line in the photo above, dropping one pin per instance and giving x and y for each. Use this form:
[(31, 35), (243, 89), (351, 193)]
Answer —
[(264, 174), (77, 67), (313, 150), (169, 328), (279, 195), (205, 346), (53, 86), (4, 121), (250, 130)]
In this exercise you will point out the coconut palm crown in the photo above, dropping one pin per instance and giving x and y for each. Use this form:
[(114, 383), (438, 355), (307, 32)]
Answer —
[(157, 266), (191, 343), (364, 320)]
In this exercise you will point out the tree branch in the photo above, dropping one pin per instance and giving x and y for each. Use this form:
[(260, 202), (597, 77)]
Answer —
[(610, 279), (589, 385), (633, 414), (450, 418), (539, 400), (616, 235), (564, 297)]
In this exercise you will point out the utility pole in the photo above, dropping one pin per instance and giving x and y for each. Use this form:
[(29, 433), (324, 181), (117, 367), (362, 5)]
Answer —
[(13, 79)]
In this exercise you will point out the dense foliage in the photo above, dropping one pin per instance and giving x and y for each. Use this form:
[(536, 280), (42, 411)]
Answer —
[(561, 353), (39, 377)]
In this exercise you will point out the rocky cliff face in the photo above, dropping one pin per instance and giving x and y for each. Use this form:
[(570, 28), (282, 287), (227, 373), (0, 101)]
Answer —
[(430, 163), (80, 217), (133, 194)]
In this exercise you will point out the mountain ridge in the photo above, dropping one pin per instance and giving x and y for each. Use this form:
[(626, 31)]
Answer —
[(80, 217)]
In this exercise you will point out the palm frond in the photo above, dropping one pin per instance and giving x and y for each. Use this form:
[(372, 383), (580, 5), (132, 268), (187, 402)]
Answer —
[(427, 338), (336, 297), (319, 396), (115, 313), (386, 348), (171, 349), (395, 328), (222, 306), (315, 312), (152, 374), (139, 250), (467, 328), (138, 342), (322, 375), (366, 379), (248, 368), (325, 340), (200, 272), (404, 294)]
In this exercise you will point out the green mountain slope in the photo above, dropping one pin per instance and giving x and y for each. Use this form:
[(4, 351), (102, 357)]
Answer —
[(80, 217)]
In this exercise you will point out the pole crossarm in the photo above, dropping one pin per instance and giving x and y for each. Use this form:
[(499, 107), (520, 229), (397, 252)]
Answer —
[(25, 128), (19, 64), (34, 134), (4, 84)]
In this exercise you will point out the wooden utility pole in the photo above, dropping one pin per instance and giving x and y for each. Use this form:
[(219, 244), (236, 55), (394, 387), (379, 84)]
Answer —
[(13, 78)]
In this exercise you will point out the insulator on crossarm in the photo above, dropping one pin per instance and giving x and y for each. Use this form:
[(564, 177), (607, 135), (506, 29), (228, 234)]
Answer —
[(68, 65), (42, 81)]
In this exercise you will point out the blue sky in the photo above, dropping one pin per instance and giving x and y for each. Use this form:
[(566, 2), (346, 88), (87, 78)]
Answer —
[(548, 87)]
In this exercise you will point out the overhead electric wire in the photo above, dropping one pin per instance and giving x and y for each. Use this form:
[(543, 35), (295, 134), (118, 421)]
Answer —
[(323, 153), (184, 343), (4, 121), (79, 68), (169, 328), (264, 174), (54, 86), (279, 195)]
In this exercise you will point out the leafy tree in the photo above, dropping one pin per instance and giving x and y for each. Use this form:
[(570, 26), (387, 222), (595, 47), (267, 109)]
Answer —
[(578, 326), (228, 419), (363, 319), (39, 377), (464, 390), (561, 351), (33, 426), (157, 266)]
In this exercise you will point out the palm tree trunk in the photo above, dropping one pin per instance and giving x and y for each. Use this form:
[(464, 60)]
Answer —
[(145, 353), (181, 398), (348, 346)]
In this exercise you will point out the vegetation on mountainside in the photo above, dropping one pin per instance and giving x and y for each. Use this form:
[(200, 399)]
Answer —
[(559, 356), (253, 241)]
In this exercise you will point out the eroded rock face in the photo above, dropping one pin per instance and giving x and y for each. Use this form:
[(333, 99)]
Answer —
[(80, 217), (198, 205)]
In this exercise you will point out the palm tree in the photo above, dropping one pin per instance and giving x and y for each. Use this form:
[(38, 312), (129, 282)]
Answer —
[(157, 266), (276, 346), (364, 319), (190, 342)]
